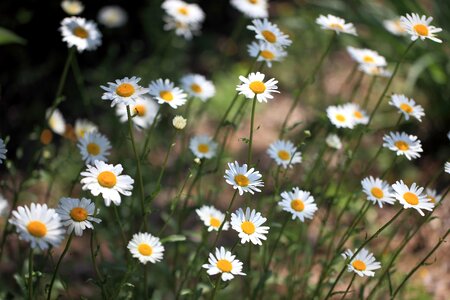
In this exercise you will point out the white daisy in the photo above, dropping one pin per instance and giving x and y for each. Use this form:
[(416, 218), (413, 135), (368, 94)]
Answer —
[(407, 106), (186, 30), (165, 92), (248, 225), (212, 217), (3, 205), (359, 115), (82, 34), (341, 116), (403, 144), (56, 121), (77, 214), (284, 153), (242, 179), (125, 91), (112, 16), (146, 248), (252, 8), (419, 27), (183, 12), (433, 195), (374, 70), (367, 57), (363, 263), (266, 52), (72, 7), (336, 24), (203, 146), (84, 126), (38, 224), (253, 85), (3, 151), (299, 203), (333, 141), (269, 33), (447, 167), (394, 26), (377, 191), (412, 197), (143, 112), (225, 263), (197, 85), (105, 179), (94, 146)]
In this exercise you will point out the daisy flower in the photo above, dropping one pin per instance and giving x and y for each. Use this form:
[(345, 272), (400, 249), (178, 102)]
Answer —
[(433, 195), (447, 167), (284, 153), (299, 203), (165, 92), (366, 56), (39, 225), (82, 34), (112, 16), (225, 263), (377, 191), (94, 146), (84, 126), (203, 146), (403, 144), (77, 214), (125, 91), (146, 248), (3, 205), (105, 179), (242, 179), (183, 12), (419, 27), (407, 106), (269, 33), (363, 263), (336, 24), (143, 111), (185, 30), (253, 85), (333, 141), (266, 52), (3, 151), (412, 197), (197, 85), (341, 116), (248, 225), (72, 7), (394, 26), (56, 121), (374, 70), (212, 217), (359, 115), (252, 8)]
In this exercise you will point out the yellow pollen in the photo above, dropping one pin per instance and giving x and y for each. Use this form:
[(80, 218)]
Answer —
[(267, 54), (46, 137), (253, 1), (269, 36), (401, 145), (107, 179), (166, 95), (411, 198), (37, 229), (297, 205), (145, 249), (284, 155), (359, 265), (196, 88), (368, 59), (248, 227), (377, 192), (183, 11), (340, 118), (214, 222), (203, 148), (336, 26), (93, 149), (125, 90), (406, 108), (140, 110), (78, 214), (432, 199), (80, 32), (241, 180), (257, 87), (224, 265), (421, 29), (358, 115)]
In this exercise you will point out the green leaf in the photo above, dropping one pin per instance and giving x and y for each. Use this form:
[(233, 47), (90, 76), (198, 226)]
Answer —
[(173, 238), (9, 37)]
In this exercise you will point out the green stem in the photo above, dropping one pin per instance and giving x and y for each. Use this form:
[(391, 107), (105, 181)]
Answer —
[(356, 87), (145, 283), (122, 231), (30, 274), (145, 149), (225, 219), (369, 92), (250, 142), (348, 287), (66, 248), (96, 269), (216, 287)]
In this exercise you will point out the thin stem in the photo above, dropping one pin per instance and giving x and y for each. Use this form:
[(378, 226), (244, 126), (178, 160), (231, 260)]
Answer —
[(348, 287), (148, 136), (225, 219), (30, 274), (119, 221), (66, 248), (250, 142), (94, 263), (369, 92), (356, 87), (145, 282), (216, 287)]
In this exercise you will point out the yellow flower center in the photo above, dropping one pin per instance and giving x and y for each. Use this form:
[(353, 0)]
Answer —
[(241, 180), (224, 265), (166, 95), (340, 118), (358, 115), (359, 265), (183, 11), (336, 26), (432, 199), (145, 249), (253, 1), (411, 198), (377, 192), (401, 145), (37, 229), (284, 155), (78, 214), (203, 148), (46, 137), (93, 149), (421, 29), (297, 205), (257, 87), (80, 32), (406, 108), (196, 88), (248, 227), (140, 110), (267, 54), (107, 179), (368, 59), (214, 222), (125, 90), (269, 36)]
